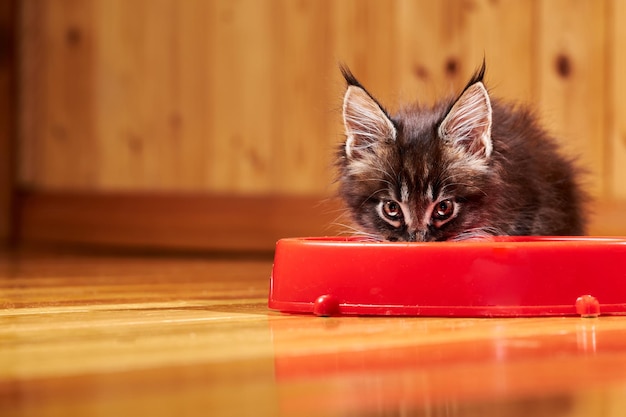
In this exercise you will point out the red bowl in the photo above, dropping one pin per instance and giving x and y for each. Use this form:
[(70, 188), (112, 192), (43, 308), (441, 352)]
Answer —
[(504, 277)]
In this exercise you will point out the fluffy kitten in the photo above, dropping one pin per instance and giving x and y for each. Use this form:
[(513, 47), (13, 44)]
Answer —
[(469, 167)]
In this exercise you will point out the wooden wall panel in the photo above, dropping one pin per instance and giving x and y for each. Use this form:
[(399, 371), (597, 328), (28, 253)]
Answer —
[(429, 59), (615, 160), (571, 61), (30, 89), (241, 91), (440, 44), (299, 117), (243, 97), (154, 95), (58, 142), (138, 94), (504, 33), (8, 114), (363, 35)]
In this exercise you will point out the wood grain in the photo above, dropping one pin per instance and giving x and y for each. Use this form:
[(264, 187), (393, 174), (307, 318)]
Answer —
[(571, 85), (57, 120), (158, 336), (244, 97), (440, 44), (615, 161), (505, 34), (8, 115)]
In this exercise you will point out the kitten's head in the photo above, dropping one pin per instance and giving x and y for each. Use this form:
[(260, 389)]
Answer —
[(422, 174)]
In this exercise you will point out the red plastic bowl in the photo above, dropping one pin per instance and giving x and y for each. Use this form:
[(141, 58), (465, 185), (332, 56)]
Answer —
[(506, 277)]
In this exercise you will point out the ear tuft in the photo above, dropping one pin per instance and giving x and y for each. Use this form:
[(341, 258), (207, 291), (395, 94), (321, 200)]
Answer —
[(366, 123), (468, 123)]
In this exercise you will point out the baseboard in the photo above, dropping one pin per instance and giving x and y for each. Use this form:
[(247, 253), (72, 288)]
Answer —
[(171, 221), (200, 222)]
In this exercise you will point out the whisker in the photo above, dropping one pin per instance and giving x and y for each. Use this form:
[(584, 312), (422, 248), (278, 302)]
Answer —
[(477, 233), (354, 232)]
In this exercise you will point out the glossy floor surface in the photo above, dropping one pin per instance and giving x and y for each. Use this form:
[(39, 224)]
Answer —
[(155, 336)]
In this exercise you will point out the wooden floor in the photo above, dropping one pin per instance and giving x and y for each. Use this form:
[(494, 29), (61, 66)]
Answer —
[(123, 336)]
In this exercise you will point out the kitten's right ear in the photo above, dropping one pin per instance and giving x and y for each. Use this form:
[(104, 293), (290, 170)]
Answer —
[(468, 123), (366, 123)]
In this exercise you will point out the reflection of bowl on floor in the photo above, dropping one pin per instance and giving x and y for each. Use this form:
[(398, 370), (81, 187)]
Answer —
[(510, 276)]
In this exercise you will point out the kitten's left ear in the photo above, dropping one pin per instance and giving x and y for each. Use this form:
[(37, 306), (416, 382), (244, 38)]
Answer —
[(468, 123)]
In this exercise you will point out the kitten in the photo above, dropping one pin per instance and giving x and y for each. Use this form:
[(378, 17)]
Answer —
[(468, 167)]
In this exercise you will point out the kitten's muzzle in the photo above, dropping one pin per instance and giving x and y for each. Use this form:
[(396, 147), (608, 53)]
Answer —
[(416, 236)]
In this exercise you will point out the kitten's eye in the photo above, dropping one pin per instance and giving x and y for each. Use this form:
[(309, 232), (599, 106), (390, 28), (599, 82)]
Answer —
[(443, 210), (392, 210)]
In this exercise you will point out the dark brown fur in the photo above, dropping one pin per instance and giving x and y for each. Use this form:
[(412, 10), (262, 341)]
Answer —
[(528, 188)]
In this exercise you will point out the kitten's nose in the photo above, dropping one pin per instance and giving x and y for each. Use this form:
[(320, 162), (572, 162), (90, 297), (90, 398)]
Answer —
[(416, 236)]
